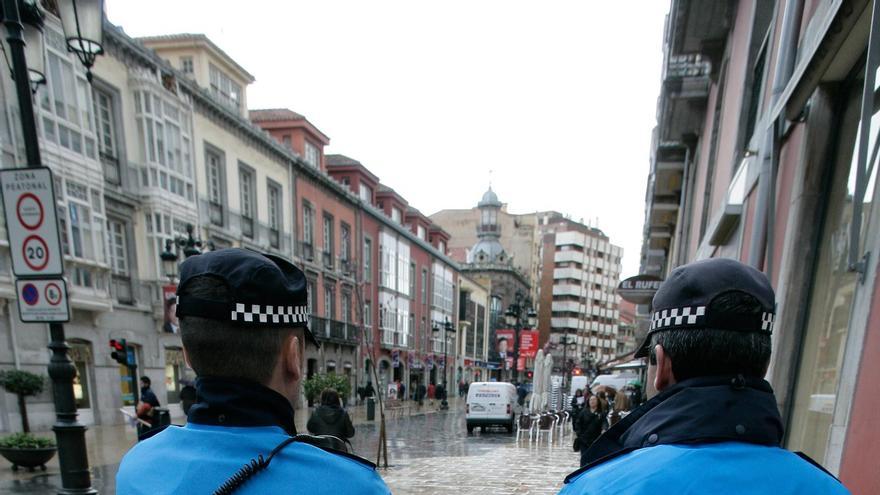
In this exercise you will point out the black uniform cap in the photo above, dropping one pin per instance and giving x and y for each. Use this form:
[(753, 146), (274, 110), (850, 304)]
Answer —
[(265, 290), (683, 300)]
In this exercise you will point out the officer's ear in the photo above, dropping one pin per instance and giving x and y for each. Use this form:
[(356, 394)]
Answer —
[(291, 354), (663, 376)]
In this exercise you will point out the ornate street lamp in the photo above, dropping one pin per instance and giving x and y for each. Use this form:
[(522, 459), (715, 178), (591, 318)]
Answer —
[(520, 316), (169, 260), (532, 318), (83, 24), (32, 19), (447, 327), (190, 245)]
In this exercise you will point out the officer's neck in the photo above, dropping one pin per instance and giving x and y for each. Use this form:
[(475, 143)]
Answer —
[(230, 401)]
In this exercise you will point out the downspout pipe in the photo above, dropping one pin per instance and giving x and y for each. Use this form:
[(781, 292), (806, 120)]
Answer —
[(769, 156)]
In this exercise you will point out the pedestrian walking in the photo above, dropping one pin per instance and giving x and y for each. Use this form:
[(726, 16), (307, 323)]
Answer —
[(401, 390), (713, 426), (244, 325), (588, 427), (421, 392), (432, 390), (521, 393), (146, 409), (577, 402), (369, 391), (330, 418), (462, 388)]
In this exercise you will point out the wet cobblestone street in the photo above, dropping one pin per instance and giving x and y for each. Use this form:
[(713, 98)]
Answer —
[(428, 454)]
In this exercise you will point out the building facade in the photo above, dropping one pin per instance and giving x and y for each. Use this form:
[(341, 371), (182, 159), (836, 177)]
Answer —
[(516, 232), (163, 140), (764, 152), (473, 334), (579, 311)]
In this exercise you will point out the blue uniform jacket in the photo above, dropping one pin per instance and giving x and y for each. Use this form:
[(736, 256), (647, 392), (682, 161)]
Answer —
[(715, 435), (233, 423)]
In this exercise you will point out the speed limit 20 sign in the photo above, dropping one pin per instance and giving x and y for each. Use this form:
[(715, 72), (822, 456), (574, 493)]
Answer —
[(31, 223)]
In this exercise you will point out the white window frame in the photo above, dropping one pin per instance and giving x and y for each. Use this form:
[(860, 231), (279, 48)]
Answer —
[(65, 101), (165, 144), (118, 247), (312, 155)]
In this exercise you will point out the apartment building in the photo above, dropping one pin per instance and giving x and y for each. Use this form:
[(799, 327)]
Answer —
[(579, 312), (764, 152), (407, 281)]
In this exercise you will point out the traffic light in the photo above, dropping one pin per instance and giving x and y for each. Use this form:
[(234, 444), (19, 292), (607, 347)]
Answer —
[(120, 351)]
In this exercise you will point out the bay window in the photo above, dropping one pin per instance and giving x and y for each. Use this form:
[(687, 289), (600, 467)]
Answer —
[(164, 144)]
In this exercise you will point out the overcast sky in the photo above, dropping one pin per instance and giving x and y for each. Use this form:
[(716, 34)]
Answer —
[(556, 98)]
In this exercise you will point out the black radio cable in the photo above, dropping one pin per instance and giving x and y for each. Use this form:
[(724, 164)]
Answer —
[(250, 469)]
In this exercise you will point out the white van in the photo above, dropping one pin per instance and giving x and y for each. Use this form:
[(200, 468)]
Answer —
[(490, 404), (615, 381), (578, 382)]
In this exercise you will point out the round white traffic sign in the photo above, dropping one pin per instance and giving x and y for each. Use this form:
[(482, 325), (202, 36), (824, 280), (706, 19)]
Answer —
[(35, 252), (30, 211), (53, 293)]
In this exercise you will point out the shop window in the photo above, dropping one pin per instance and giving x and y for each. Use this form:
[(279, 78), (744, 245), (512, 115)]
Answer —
[(830, 305), (81, 354), (174, 373)]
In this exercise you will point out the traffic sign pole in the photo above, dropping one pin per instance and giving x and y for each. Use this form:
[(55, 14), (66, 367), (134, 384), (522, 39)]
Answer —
[(70, 434)]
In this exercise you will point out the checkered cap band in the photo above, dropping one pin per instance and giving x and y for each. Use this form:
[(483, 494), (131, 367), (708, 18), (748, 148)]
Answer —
[(260, 313), (677, 317), (767, 320), (695, 316)]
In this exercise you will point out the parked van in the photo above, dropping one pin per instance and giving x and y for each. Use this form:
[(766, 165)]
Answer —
[(490, 404)]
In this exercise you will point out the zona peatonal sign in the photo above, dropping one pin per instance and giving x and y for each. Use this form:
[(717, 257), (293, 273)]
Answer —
[(639, 289), (31, 223)]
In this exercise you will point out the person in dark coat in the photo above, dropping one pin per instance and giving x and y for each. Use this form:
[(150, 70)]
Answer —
[(330, 418), (577, 402), (521, 394), (421, 392), (588, 426), (369, 391)]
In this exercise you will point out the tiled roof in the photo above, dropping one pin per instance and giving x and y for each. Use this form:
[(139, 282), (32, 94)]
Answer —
[(340, 160), (272, 114), (195, 37)]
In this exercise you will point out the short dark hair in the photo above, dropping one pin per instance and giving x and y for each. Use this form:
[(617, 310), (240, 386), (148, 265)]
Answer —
[(146, 380), (329, 397), (218, 348), (712, 352)]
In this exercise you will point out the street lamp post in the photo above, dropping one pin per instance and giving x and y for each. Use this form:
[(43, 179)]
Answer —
[(81, 20), (190, 245), (447, 327), (520, 315)]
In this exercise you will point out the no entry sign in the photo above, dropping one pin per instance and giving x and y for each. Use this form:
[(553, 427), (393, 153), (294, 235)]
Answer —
[(31, 223), (42, 300)]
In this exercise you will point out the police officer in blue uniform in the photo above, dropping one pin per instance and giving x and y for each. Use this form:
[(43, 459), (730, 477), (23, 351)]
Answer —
[(243, 323), (713, 426)]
